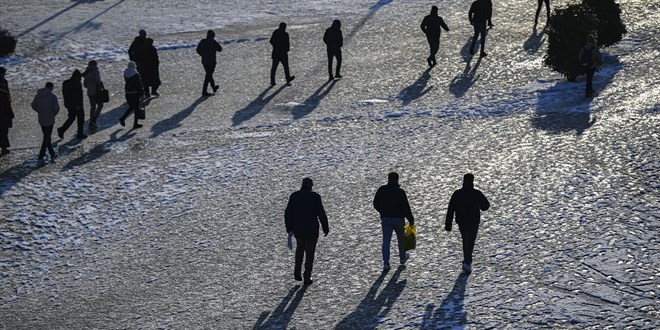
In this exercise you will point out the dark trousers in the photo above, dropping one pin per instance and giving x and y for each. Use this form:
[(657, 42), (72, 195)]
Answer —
[(208, 78), (305, 246), (434, 46), (45, 143), (469, 236), (479, 30), (334, 53), (538, 9), (4, 138), (133, 101), (273, 68), (590, 78), (74, 114)]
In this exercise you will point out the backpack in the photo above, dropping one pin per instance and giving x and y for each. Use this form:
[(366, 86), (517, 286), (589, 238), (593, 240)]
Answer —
[(587, 57)]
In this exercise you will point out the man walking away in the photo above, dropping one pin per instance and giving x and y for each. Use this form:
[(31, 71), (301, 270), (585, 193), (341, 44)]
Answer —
[(281, 46), (466, 203), (137, 53), (302, 216), (538, 11), (334, 40), (92, 82), (392, 204), (73, 102), (207, 49), (150, 73), (590, 60), (480, 17), (46, 105), (6, 113), (133, 90), (431, 25)]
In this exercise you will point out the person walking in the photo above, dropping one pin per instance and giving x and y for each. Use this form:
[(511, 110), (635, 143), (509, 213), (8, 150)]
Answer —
[(334, 40), (133, 90), (46, 105), (207, 49), (280, 54), (303, 213), (137, 52), (72, 94), (392, 204), (6, 113), (150, 72), (538, 11), (590, 60), (431, 26), (480, 17), (93, 83), (467, 204)]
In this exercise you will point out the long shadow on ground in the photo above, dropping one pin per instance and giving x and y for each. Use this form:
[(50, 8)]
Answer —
[(280, 317), (535, 41), (313, 101), (99, 150), (372, 307), (372, 11), (255, 106), (417, 89), (451, 312), (175, 121)]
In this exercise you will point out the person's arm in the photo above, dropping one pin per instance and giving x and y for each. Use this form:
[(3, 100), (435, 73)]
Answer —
[(471, 14), (451, 208), (55, 105), (377, 200), (341, 39), (34, 104), (287, 45), (423, 25), (323, 218), (199, 48), (288, 215), (325, 36), (443, 25), (489, 13), (407, 210), (218, 48), (484, 205)]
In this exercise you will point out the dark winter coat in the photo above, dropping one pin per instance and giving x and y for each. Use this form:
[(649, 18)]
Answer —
[(150, 72), (46, 105), (333, 38), (281, 46), (431, 25), (303, 214), (481, 12), (391, 202), (467, 203), (6, 112), (137, 48), (594, 53), (207, 48), (133, 85), (72, 94)]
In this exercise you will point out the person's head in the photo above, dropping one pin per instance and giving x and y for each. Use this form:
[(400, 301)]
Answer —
[(131, 65), (142, 33), (92, 63), (393, 177), (434, 11), (307, 183), (591, 39), (210, 34), (2, 71), (336, 24), (50, 85), (76, 75), (283, 26), (468, 180), (149, 41)]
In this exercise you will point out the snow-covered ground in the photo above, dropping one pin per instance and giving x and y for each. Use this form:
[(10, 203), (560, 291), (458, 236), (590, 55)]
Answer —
[(180, 224)]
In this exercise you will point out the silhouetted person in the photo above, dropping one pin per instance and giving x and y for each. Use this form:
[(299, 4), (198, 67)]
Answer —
[(92, 82), (6, 113), (431, 25), (302, 216), (467, 203), (590, 60), (137, 52), (281, 46), (46, 105), (480, 18), (133, 90), (392, 204), (334, 40), (538, 11), (72, 94), (150, 73), (207, 49)]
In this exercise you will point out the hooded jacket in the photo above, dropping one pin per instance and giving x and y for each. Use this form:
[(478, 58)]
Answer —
[(92, 80), (72, 92), (280, 42), (207, 49), (466, 203), (303, 214), (392, 202), (481, 12), (595, 55), (432, 23), (46, 105), (132, 80), (333, 37)]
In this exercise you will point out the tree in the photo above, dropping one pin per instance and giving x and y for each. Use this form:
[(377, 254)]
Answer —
[(7, 43)]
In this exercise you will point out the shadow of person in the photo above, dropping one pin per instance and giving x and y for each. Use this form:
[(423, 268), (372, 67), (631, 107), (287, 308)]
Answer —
[(313, 101), (374, 307), (417, 89), (175, 120), (372, 11), (254, 107), (460, 84), (99, 150), (451, 312), (557, 122), (107, 119), (535, 41), (13, 175), (280, 317)]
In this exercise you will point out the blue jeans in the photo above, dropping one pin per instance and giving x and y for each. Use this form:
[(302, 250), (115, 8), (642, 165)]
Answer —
[(389, 225)]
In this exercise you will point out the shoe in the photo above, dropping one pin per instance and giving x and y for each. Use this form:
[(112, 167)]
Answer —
[(52, 157), (81, 136), (272, 83), (92, 125), (308, 282), (137, 126), (215, 88), (434, 63), (405, 258), (41, 157), (430, 62), (467, 267), (60, 133), (297, 277), (386, 267), (338, 76), (483, 54), (122, 121), (154, 93), (290, 79), (206, 94), (4, 151), (331, 78)]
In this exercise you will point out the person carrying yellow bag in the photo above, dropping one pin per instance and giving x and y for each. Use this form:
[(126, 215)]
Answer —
[(392, 204)]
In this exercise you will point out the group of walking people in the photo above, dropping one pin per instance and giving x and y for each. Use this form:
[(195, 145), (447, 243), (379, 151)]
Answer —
[(304, 216)]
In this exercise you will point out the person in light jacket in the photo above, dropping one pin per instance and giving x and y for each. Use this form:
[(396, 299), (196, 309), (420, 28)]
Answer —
[(92, 82), (47, 106), (6, 113)]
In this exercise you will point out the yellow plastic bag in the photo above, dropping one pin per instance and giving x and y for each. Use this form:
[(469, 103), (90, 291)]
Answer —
[(409, 237)]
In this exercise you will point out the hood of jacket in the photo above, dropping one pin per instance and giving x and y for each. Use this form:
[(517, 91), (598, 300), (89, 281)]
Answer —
[(131, 70), (44, 92)]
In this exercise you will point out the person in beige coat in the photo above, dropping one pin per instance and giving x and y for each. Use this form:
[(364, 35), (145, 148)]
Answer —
[(47, 106)]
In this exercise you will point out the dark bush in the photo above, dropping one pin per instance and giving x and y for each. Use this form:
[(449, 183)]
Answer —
[(7, 43), (610, 26)]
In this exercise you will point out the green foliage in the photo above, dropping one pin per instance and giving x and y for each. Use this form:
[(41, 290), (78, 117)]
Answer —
[(610, 26), (7, 43)]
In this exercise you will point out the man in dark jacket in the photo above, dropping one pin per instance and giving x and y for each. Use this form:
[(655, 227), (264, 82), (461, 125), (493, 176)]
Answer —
[(280, 42), (392, 204), (466, 203), (6, 113), (431, 25), (480, 17), (334, 39), (73, 102), (302, 216), (207, 49), (137, 52)]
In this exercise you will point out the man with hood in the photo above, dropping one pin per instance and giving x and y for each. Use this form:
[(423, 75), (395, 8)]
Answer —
[(334, 40), (590, 60), (391, 202), (207, 49), (46, 105), (280, 54), (302, 216), (431, 25), (92, 82), (6, 113), (72, 94), (480, 17), (133, 90), (467, 203)]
